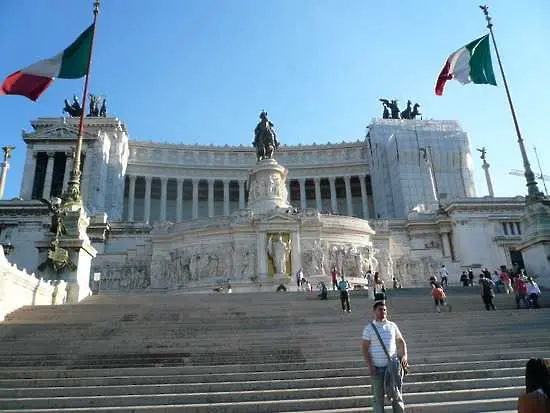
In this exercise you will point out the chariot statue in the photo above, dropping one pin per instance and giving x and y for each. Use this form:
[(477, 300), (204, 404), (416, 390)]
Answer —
[(73, 109)]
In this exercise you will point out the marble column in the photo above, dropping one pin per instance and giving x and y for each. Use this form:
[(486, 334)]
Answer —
[(179, 200), (68, 169), (349, 202), (48, 179), (364, 200), (303, 201), (27, 183), (210, 198), (163, 197), (318, 203), (333, 204), (241, 194), (287, 186), (195, 198), (131, 197), (147, 212), (226, 197)]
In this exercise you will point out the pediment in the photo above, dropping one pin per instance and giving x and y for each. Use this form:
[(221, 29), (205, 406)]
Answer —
[(62, 132)]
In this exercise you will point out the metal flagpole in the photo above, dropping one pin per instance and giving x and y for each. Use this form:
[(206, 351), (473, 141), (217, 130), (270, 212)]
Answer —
[(533, 192), (73, 195)]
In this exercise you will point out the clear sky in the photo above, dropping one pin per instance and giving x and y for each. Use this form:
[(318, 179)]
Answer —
[(200, 71)]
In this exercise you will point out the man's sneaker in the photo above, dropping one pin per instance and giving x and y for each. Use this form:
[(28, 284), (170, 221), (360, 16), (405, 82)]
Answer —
[(349, 311)]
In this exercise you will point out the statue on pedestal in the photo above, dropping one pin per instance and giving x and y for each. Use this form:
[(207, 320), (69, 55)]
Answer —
[(278, 250), (265, 140)]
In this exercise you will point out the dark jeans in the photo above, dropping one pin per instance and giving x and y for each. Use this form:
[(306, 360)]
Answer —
[(377, 384), (534, 300), (488, 301), (344, 299)]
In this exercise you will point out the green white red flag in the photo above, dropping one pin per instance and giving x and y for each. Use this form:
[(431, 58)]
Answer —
[(471, 63), (71, 63)]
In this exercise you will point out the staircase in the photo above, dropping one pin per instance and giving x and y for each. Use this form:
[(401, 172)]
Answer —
[(265, 352)]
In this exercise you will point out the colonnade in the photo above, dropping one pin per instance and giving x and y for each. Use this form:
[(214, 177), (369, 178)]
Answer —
[(191, 198)]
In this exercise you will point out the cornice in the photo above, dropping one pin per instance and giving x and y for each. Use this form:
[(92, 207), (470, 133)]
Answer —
[(484, 204), (59, 132), (108, 123)]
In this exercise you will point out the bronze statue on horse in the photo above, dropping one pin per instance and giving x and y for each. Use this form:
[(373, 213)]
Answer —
[(265, 140)]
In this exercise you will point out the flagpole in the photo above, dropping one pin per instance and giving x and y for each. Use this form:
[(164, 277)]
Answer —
[(533, 192), (73, 195)]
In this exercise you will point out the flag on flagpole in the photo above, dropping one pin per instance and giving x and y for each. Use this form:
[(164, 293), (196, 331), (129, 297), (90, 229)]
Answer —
[(71, 63), (471, 63)]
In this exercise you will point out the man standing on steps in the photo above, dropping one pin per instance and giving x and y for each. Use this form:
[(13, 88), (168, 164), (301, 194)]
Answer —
[(344, 288), (381, 357)]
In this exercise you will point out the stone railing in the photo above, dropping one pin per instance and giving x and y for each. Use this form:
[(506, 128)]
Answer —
[(17, 289)]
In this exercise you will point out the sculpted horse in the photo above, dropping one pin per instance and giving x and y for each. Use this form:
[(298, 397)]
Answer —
[(406, 114), (265, 140), (415, 112), (73, 109)]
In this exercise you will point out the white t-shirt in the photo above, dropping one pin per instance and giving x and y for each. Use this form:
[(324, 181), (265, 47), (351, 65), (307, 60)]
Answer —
[(443, 272), (389, 332)]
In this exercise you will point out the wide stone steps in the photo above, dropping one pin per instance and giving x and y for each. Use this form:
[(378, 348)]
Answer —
[(260, 353)]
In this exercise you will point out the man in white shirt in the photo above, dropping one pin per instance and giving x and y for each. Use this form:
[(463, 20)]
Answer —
[(444, 274), (533, 292), (376, 357)]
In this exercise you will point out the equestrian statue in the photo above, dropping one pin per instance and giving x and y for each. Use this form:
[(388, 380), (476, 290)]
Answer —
[(265, 140)]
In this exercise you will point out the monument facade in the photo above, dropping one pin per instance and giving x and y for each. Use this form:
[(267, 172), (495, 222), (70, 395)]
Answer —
[(400, 201)]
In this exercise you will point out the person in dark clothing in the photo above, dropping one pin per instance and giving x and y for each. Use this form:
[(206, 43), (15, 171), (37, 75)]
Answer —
[(464, 279), (487, 291), (323, 291)]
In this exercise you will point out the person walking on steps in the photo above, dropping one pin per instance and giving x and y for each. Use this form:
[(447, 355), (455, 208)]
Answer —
[(344, 288), (444, 275), (334, 278), (385, 351), (487, 291)]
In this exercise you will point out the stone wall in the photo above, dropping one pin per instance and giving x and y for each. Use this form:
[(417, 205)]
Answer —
[(17, 289)]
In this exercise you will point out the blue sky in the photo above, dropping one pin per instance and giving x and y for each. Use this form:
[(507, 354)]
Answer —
[(200, 71)]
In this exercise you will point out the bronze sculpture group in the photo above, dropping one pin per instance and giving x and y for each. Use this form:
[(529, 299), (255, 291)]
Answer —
[(98, 107), (391, 110), (265, 139)]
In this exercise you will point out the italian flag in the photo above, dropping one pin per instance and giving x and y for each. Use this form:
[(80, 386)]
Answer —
[(471, 63), (71, 63)]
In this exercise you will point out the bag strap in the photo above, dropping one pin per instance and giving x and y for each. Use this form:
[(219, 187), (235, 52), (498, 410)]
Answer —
[(381, 342)]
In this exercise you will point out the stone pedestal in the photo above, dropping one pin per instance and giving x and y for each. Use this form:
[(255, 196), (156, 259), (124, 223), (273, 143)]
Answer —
[(535, 245), (266, 186), (81, 252)]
